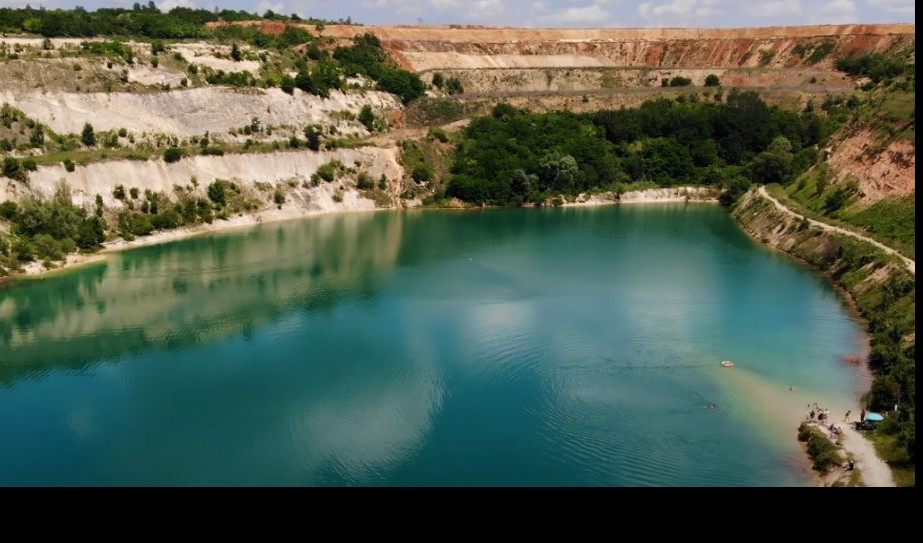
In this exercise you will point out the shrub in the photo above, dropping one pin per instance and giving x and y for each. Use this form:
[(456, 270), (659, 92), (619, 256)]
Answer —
[(365, 182), (29, 164), (367, 118), (217, 192), (88, 135), (173, 154), (119, 193), (438, 134), (312, 137), (455, 86), (69, 165), (12, 168), (423, 173), (278, 197), (287, 84), (821, 450), (712, 81), (9, 210), (328, 172)]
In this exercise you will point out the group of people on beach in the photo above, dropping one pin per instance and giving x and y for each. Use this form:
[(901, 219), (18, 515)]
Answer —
[(822, 416)]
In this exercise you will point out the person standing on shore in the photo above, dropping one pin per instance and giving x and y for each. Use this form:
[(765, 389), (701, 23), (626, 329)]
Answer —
[(862, 415), (847, 416)]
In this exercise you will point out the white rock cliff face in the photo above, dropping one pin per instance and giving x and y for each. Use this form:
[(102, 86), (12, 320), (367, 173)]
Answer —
[(190, 112), (246, 169)]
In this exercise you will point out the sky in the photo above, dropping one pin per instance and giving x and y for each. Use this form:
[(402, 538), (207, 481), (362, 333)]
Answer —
[(556, 13)]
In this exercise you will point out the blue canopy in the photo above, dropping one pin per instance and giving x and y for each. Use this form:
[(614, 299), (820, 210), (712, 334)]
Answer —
[(874, 417)]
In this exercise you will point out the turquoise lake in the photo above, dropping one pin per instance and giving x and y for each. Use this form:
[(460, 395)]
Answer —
[(505, 347)]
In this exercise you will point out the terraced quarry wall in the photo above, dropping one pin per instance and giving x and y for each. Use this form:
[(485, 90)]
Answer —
[(423, 48)]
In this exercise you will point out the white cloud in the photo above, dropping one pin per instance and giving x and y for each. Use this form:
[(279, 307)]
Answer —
[(485, 10), (265, 5), (587, 15), (167, 5), (678, 12), (836, 11), (775, 8), (907, 7)]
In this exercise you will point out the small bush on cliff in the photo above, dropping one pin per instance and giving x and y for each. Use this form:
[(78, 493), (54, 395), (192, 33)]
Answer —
[(88, 135), (367, 118), (712, 81), (13, 169)]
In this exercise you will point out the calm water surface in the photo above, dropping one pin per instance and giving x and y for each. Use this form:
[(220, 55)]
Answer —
[(508, 347)]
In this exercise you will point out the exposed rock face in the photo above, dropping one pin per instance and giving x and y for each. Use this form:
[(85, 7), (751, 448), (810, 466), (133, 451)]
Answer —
[(246, 169), (424, 48), (880, 173), (188, 112)]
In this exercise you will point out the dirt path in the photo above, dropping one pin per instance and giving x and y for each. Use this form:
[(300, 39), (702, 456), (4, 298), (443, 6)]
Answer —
[(911, 265), (628, 90), (875, 472)]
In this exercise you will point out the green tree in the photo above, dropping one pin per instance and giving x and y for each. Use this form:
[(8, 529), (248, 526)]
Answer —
[(775, 164), (712, 81), (236, 54), (558, 171)]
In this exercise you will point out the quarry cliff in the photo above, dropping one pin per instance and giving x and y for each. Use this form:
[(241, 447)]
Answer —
[(423, 48)]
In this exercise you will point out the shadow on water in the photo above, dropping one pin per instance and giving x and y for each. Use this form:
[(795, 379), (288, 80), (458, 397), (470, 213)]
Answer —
[(176, 295)]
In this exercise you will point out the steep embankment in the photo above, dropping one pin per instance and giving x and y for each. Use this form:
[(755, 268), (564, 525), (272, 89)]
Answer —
[(859, 266), (911, 265)]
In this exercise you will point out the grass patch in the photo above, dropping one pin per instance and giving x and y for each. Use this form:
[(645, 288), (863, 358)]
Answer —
[(435, 112), (899, 106), (901, 467), (891, 219)]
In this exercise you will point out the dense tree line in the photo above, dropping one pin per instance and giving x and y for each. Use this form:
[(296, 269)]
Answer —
[(512, 157), (142, 20), (875, 66)]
